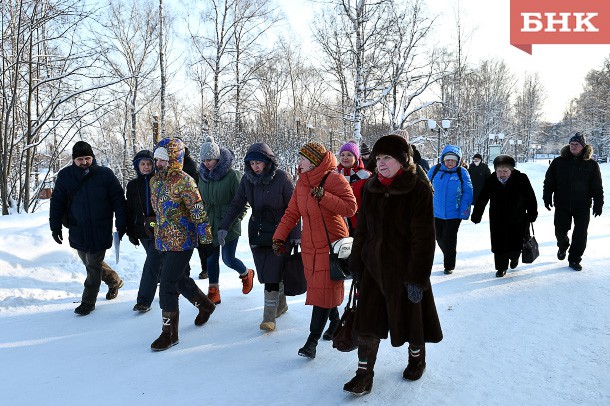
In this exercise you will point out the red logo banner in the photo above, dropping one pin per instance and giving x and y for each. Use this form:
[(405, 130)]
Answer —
[(559, 22)]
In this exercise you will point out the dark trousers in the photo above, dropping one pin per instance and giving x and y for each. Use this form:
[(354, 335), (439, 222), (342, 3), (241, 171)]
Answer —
[(175, 279), (446, 238), (150, 272), (204, 252), (319, 317), (502, 259), (563, 223), (93, 266)]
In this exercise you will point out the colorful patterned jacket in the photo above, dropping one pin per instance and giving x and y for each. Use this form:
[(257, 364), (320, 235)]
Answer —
[(182, 222)]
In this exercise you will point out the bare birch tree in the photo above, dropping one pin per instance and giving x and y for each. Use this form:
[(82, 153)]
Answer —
[(49, 82)]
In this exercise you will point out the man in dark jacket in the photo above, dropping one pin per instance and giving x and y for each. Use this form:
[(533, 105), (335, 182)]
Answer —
[(571, 182), (478, 171), (90, 194)]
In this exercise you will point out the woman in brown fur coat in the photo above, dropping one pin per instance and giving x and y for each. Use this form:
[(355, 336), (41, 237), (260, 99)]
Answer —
[(391, 261)]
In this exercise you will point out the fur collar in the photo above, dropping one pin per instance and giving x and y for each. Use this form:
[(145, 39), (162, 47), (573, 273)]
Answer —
[(585, 155), (265, 178), (220, 170)]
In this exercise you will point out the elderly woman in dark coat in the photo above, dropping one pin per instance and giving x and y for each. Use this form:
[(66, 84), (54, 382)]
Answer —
[(268, 190), (512, 208), (391, 261)]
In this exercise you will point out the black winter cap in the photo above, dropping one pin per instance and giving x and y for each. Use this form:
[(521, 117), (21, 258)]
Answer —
[(395, 146), (81, 148)]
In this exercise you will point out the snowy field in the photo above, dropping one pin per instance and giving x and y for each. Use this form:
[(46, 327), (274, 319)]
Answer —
[(538, 336)]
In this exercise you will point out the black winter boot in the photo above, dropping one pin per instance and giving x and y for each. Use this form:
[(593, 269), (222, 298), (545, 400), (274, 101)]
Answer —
[(309, 349), (332, 326), (319, 315), (169, 332), (362, 383), (417, 363), (84, 309), (205, 306)]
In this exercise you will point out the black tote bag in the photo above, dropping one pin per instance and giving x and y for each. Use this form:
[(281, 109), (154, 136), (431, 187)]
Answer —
[(294, 274)]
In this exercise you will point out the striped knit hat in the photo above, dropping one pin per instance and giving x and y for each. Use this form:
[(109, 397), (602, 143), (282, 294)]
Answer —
[(314, 152)]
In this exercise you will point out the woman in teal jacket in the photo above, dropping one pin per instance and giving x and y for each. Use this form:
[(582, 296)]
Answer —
[(452, 200)]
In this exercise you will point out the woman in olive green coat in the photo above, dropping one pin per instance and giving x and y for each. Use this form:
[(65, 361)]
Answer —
[(218, 184)]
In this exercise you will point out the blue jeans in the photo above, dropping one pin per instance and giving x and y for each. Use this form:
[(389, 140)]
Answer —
[(228, 257), (150, 272)]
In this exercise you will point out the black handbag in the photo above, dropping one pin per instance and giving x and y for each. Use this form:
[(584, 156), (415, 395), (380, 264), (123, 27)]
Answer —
[(339, 267), (294, 274), (530, 250), (345, 338), (261, 229)]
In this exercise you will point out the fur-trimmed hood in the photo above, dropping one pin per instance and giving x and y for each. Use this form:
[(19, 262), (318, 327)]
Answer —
[(223, 166), (266, 177), (586, 154)]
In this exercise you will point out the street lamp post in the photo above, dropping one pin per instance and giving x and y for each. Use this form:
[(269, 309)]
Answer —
[(515, 143), (535, 148), (433, 126), (495, 149)]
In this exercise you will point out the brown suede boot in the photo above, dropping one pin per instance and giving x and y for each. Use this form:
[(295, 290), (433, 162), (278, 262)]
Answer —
[(205, 306), (362, 383), (169, 332), (417, 363)]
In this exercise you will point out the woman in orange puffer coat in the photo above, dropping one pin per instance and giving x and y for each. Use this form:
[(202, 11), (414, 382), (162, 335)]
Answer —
[(335, 200)]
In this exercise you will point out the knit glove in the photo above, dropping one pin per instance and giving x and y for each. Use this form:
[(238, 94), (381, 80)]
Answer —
[(57, 236), (317, 192), (134, 240), (279, 247), (597, 211), (222, 234), (414, 293)]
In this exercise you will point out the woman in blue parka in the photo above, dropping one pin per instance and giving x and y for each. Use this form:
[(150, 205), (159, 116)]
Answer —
[(452, 200)]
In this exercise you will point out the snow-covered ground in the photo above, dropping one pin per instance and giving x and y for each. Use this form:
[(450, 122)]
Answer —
[(539, 336)]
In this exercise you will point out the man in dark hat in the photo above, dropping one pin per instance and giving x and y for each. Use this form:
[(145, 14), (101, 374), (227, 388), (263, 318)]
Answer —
[(479, 171), (89, 196), (572, 181), (365, 154)]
